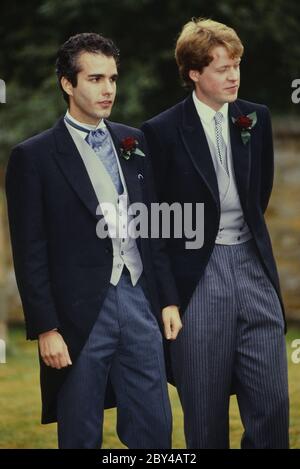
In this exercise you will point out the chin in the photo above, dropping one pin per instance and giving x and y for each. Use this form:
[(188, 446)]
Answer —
[(104, 114), (232, 98)]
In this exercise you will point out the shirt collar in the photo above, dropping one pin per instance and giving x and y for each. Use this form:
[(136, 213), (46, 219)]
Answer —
[(100, 125), (206, 113)]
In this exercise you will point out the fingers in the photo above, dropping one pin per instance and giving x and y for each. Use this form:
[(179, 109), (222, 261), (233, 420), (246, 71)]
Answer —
[(45, 360), (176, 326), (172, 323), (54, 351), (59, 361), (56, 360)]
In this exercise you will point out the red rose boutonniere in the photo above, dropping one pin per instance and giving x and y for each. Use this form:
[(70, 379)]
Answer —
[(245, 124), (129, 147)]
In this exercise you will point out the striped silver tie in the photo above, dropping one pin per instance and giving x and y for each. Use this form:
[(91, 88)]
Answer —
[(221, 145)]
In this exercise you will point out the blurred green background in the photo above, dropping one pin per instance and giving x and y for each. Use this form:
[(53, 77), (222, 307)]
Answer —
[(146, 32)]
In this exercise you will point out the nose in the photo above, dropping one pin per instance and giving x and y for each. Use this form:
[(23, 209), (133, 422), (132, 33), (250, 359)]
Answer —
[(233, 74), (108, 87)]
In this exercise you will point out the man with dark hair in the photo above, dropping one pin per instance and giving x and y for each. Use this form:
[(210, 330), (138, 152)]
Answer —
[(67, 64), (215, 149), (91, 299)]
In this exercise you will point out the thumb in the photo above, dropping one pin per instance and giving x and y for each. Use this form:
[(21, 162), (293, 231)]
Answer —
[(167, 327), (68, 356)]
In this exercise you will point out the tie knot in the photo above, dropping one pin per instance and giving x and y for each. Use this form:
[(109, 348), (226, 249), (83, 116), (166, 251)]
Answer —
[(96, 137), (219, 117)]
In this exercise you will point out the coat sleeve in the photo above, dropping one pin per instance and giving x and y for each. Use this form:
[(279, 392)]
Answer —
[(29, 242), (167, 290), (267, 163)]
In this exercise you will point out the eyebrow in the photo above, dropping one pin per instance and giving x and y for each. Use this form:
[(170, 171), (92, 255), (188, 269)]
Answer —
[(101, 75), (227, 65)]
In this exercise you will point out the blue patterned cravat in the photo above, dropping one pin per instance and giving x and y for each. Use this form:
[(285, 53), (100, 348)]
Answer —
[(101, 143)]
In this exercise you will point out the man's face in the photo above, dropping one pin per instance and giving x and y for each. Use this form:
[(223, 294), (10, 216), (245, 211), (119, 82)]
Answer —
[(220, 80), (93, 97)]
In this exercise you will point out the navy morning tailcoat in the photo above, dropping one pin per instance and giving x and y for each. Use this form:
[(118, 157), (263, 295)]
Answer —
[(184, 173), (62, 268)]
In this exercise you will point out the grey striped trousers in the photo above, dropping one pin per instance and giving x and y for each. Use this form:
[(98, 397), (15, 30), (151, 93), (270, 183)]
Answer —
[(233, 335)]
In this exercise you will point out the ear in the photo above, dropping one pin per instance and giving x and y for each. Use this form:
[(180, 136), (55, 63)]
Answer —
[(67, 86), (194, 75)]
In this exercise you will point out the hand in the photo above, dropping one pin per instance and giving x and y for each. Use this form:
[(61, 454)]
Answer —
[(54, 350), (172, 322)]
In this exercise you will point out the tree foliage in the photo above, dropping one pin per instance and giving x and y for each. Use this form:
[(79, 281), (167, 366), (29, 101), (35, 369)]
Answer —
[(146, 32)]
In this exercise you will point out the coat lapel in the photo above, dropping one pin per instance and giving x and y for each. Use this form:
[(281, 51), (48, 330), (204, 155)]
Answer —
[(197, 147), (71, 164), (241, 155), (195, 141), (130, 168)]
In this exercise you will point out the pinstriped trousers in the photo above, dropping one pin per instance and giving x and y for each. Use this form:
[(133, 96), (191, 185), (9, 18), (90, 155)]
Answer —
[(233, 335), (126, 343)]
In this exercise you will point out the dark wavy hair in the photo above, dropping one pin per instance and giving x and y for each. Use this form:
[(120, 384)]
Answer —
[(67, 55)]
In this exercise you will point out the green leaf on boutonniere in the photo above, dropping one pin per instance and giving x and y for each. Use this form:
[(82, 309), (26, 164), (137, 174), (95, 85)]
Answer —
[(139, 152), (245, 136), (253, 117), (126, 155), (129, 147)]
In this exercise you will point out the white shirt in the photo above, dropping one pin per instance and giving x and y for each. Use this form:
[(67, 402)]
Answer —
[(207, 115)]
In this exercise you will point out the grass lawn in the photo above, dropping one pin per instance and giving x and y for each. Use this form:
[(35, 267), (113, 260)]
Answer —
[(20, 402)]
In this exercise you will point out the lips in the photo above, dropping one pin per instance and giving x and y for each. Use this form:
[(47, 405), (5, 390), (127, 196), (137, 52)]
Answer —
[(105, 103)]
